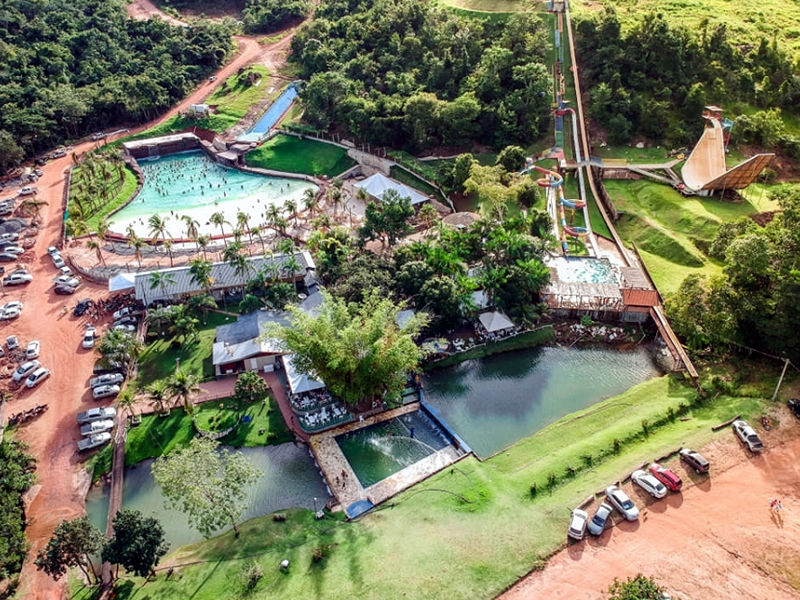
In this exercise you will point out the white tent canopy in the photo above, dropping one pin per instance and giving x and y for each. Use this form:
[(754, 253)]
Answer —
[(495, 321), (121, 281), (298, 382), (378, 184)]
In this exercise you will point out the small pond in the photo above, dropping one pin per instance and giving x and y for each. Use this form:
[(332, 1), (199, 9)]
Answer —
[(290, 479), (495, 401), (192, 184)]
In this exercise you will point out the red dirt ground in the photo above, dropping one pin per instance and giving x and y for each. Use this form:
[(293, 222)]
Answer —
[(59, 493), (717, 539)]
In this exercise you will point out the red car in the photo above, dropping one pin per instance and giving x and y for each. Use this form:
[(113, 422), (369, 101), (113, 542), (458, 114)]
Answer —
[(666, 476)]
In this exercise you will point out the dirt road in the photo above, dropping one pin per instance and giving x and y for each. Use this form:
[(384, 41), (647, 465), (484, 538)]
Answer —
[(59, 493), (717, 540)]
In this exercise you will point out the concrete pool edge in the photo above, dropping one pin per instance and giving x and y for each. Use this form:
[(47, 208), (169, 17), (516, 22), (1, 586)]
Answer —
[(355, 499)]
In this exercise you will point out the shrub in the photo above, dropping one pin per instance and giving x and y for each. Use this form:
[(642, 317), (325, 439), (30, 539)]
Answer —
[(279, 517), (251, 575)]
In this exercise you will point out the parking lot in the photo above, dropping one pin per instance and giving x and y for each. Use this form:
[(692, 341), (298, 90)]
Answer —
[(718, 538)]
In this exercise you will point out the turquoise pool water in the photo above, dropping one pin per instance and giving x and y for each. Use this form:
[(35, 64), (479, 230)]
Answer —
[(498, 400), (192, 184), (290, 479), (584, 270)]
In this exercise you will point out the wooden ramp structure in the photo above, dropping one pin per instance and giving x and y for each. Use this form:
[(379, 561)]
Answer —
[(705, 170)]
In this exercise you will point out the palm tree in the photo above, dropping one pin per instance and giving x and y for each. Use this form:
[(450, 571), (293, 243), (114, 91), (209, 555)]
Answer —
[(182, 386), (243, 223), (95, 245), (168, 248), (310, 201), (159, 279), (203, 242), (79, 228), (200, 273), (201, 304), (291, 266), (218, 219), (157, 396), (127, 401), (192, 231), (257, 231), (158, 228), (32, 207), (137, 244), (102, 229), (119, 348), (290, 206)]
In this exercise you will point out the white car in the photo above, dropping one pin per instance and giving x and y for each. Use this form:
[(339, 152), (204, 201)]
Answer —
[(9, 237), (748, 436), (106, 379), (18, 279), (32, 351), (66, 280), (649, 484), (37, 377), (57, 260), (88, 337), (577, 524), (125, 328), (96, 414), (59, 153), (25, 369), (6, 314), (94, 441), (622, 503), (52, 250), (105, 391), (97, 427), (14, 250), (27, 191), (66, 271), (12, 342), (13, 304)]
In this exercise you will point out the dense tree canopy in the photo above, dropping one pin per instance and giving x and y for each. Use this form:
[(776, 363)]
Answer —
[(654, 80), (407, 72), (69, 68), (138, 543), (357, 349), (16, 476), (754, 302)]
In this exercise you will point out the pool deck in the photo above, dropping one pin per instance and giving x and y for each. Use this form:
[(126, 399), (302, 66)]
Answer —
[(343, 481)]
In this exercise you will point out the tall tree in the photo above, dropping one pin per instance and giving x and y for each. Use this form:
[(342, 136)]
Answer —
[(207, 483), (72, 545), (182, 386), (138, 543), (357, 350), (250, 387)]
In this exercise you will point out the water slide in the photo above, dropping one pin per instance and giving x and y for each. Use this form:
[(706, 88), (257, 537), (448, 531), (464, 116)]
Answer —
[(555, 181)]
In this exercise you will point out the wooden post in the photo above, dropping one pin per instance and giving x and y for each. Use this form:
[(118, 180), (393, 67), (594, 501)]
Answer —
[(780, 381)]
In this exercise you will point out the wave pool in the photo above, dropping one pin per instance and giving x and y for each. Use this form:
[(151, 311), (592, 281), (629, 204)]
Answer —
[(192, 184)]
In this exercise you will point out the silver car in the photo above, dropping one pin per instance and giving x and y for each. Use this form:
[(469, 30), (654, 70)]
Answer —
[(106, 379), (96, 414), (622, 503), (649, 484), (598, 523), (25, 369), (97, 427), (577, 524), (94, 441), (105, 391), (748, 436)]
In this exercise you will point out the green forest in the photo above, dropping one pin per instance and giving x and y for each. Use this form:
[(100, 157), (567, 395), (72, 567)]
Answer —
[(654, 79), (412, 75), (67, 69)]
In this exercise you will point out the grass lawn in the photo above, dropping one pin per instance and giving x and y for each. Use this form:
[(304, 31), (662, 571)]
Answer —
[(670, 230), (159, 358), (746, 22), (119, 191), (467, 532), (497, 6), (157, 435), (293, 155), (235, 97)]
